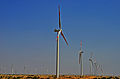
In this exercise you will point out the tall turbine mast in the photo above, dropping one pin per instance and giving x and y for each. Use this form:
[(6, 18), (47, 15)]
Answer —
[(80, 59), (59, 31)]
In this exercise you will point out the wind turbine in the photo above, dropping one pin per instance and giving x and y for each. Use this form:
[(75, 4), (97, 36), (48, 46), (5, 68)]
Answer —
[(80, 59), (24, 69), (91, 64), (59, 31), (96, 68), (12, 72), (101, 70)]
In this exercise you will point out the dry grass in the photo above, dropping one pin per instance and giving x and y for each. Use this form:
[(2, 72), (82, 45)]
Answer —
[(2, 76)]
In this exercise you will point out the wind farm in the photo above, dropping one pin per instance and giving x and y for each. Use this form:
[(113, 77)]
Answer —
[(59, 39)]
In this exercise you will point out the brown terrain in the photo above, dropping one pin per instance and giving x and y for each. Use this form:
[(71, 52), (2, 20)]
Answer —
[(4, 76)]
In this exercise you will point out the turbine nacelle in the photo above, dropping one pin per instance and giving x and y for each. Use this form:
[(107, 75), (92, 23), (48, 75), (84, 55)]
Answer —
[(90, 59), (56, 30), (81, 52)]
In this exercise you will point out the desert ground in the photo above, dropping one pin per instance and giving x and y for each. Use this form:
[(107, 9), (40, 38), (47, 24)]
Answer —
[(8, 76)]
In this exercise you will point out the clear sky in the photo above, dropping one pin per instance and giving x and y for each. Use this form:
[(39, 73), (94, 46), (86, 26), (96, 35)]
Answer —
[(27, 35)]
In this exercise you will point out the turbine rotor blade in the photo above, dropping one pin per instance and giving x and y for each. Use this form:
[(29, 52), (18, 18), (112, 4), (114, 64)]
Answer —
[(81, 44), (64, 37), (59, 17)]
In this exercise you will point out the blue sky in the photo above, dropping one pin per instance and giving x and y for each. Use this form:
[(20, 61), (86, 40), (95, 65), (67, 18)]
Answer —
[(27, 35)]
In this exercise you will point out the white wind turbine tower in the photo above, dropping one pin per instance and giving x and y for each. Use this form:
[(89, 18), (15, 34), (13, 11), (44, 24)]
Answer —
[(59, 31), (91, 65), (81, 60)]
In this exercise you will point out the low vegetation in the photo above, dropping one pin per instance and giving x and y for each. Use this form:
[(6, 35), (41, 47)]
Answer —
[(4, 76)]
